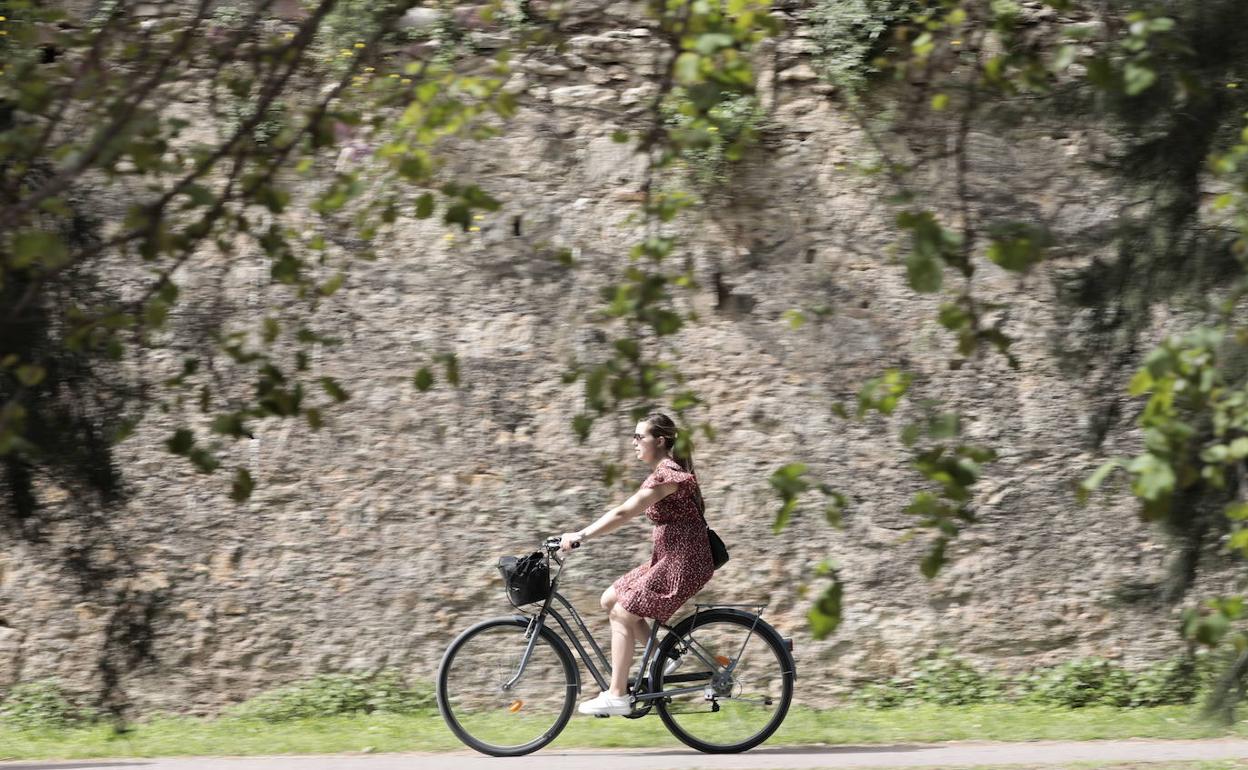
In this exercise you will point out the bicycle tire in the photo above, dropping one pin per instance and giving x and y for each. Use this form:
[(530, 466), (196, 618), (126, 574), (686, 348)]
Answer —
[(570, 685), (768, 636)]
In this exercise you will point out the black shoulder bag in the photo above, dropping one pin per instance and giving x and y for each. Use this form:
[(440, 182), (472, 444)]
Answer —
[(719, 551)]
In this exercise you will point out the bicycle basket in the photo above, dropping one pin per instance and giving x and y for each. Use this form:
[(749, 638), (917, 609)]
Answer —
[(526, 578)]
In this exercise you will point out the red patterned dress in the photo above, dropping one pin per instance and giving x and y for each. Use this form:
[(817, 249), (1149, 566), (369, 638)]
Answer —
[(681, 563)]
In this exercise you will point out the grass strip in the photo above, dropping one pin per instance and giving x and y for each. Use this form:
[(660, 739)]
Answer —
[(425, 731)]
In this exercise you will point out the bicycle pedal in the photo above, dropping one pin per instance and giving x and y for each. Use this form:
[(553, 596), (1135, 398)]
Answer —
[(601, 716)]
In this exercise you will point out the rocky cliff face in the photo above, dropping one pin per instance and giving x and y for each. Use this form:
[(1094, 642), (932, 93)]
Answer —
[(369, 544)]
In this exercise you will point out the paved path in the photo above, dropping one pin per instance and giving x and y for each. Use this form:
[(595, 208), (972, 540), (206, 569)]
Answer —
[(902, 755)]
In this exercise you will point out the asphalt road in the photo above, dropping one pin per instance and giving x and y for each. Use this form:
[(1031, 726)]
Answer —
[(916, 755)]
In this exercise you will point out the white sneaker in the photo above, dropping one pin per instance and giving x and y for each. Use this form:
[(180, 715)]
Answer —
[(607, 704), (671, 665)]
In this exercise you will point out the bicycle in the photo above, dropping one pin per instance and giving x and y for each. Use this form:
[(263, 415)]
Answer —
[(721, 679)]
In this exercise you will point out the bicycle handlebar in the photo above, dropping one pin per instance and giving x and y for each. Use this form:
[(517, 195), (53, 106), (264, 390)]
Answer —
[(552, 544)]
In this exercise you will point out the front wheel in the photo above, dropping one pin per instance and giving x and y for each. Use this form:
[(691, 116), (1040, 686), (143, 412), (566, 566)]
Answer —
[(493, 706), (740, 676)]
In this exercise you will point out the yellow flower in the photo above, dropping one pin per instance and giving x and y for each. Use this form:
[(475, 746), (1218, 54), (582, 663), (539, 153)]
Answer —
[(955, 42), (4, 18), (394, 75), (405, 81), (478, 217), (368, 69), (359, 45), (346, 52), (449, 236), (474, 229), (1232, 85), (290, 35)]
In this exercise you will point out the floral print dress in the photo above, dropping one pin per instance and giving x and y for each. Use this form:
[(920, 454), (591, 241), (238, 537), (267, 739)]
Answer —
[(681, 563)]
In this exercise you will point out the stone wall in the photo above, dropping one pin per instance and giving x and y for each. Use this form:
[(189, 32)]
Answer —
[(369, 544)]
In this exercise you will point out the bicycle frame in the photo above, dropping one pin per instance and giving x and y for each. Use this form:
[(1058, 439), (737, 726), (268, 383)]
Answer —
[(539, 620)]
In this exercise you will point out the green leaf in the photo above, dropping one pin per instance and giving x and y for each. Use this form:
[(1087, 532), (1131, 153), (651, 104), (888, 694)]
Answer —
[(1065, 57), (203, 460), (452, 368), (825, 615), (181, 442), (1093, 482), (331, 286), (923, 273), (272, 328), (687, 68), (458, 214), (423, 380), (934, 559), (685, 400), (783, 515), (834, 511), (31, 247), (581, 425), (314, 418), (230, 425), (30, 375), (243, 485), (424, 206), (940, 102), (619, 137), (335, 391), (1154, 477), (1138, 78), (796, 318)]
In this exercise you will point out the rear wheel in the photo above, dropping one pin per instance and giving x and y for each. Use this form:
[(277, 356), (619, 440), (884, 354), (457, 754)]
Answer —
[(742, 680), (490, 712)]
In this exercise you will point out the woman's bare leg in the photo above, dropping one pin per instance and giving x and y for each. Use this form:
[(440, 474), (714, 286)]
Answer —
[(623, 624), (627, 630)]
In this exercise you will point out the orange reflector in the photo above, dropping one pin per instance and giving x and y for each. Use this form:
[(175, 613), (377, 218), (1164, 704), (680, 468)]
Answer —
[(721, 660), (515, 706)]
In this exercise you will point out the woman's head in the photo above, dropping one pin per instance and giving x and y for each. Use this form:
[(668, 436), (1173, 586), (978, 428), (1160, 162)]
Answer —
[(655, 438)]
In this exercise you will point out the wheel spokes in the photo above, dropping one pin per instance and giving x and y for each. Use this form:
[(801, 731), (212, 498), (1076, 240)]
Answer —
[(742, 704), (506, 718)]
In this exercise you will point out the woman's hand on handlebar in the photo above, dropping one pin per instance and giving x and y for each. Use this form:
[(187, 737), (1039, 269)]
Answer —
[(570, 540)]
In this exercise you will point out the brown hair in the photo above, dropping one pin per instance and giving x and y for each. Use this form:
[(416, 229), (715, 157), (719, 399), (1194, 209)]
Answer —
[(663, 427)]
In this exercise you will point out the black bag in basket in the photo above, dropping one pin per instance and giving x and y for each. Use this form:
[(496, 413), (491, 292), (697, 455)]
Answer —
[(527, 578)]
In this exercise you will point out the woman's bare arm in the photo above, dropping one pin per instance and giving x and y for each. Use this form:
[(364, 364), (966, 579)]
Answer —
[(617, 516)]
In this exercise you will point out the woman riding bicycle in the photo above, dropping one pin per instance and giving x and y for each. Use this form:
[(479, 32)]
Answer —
[(679, 567)]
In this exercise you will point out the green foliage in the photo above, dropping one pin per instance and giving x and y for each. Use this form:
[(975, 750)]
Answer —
[(825, 614), (944, 679), (949, 680), (282, 93), (40, 705), (851, 34), (1177, 681), (1079, 683), (726, 131), (938, 455), (707, 110), (337, 694), (1095, 681)]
